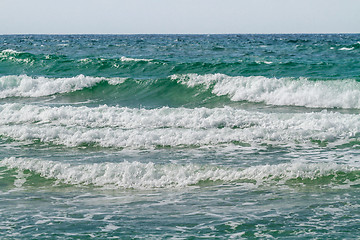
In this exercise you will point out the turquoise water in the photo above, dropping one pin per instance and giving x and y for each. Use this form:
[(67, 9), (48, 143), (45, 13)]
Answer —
[(179, 136)]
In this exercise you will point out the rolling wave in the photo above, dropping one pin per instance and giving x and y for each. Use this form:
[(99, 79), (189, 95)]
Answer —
[(279, 91), (194, 88), (136, 175)]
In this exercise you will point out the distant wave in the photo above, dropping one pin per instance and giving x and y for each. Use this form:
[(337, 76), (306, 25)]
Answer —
[(17, 57), (25, 57), (350, 47), (279, 91), (136, 175), (127, 59), (97, 61), (54, 63), (9, 52), (63, 64)]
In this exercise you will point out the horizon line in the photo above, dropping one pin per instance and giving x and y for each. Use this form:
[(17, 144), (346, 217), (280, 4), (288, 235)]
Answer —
[(295, 33)]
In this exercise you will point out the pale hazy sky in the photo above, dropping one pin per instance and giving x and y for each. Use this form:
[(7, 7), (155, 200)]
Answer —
[(179, 16)]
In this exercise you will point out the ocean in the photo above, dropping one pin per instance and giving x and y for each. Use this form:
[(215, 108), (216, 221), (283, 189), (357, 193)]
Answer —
[(180, 136)]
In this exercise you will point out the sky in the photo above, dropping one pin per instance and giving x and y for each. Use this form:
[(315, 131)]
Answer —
[(178, 16)]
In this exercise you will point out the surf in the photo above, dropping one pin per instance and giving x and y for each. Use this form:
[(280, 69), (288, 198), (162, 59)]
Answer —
[(134, 128)]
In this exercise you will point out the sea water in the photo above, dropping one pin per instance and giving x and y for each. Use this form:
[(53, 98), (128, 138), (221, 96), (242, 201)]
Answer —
[(179, 136)]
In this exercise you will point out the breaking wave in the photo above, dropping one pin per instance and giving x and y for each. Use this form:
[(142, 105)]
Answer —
[(25, 86), (123, 127), (136, 175), (279, 91), (194, 88)]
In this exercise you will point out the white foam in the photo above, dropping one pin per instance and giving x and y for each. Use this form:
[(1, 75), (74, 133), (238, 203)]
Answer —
[(123, 59), (142, 128), (25, 86), (85, 60), (279, 91), (9, 52), (346, 49), (265, 62), (127, 59), (150, 175), (109, 228)]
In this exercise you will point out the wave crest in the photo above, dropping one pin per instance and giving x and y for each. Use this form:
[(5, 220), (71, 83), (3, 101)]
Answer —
[(25, 86), (279, 91)]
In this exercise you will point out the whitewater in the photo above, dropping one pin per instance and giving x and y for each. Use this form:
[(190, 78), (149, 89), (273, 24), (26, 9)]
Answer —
[(179, 136)]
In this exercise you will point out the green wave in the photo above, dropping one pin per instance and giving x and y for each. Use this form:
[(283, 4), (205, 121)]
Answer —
[(146, 93), (189, 90)]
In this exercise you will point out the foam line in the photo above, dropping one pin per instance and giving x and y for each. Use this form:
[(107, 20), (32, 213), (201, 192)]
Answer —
[(138, 175)]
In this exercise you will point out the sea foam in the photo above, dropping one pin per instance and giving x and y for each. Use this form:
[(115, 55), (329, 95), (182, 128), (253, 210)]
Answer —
[(279, 91), (138, 175)]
